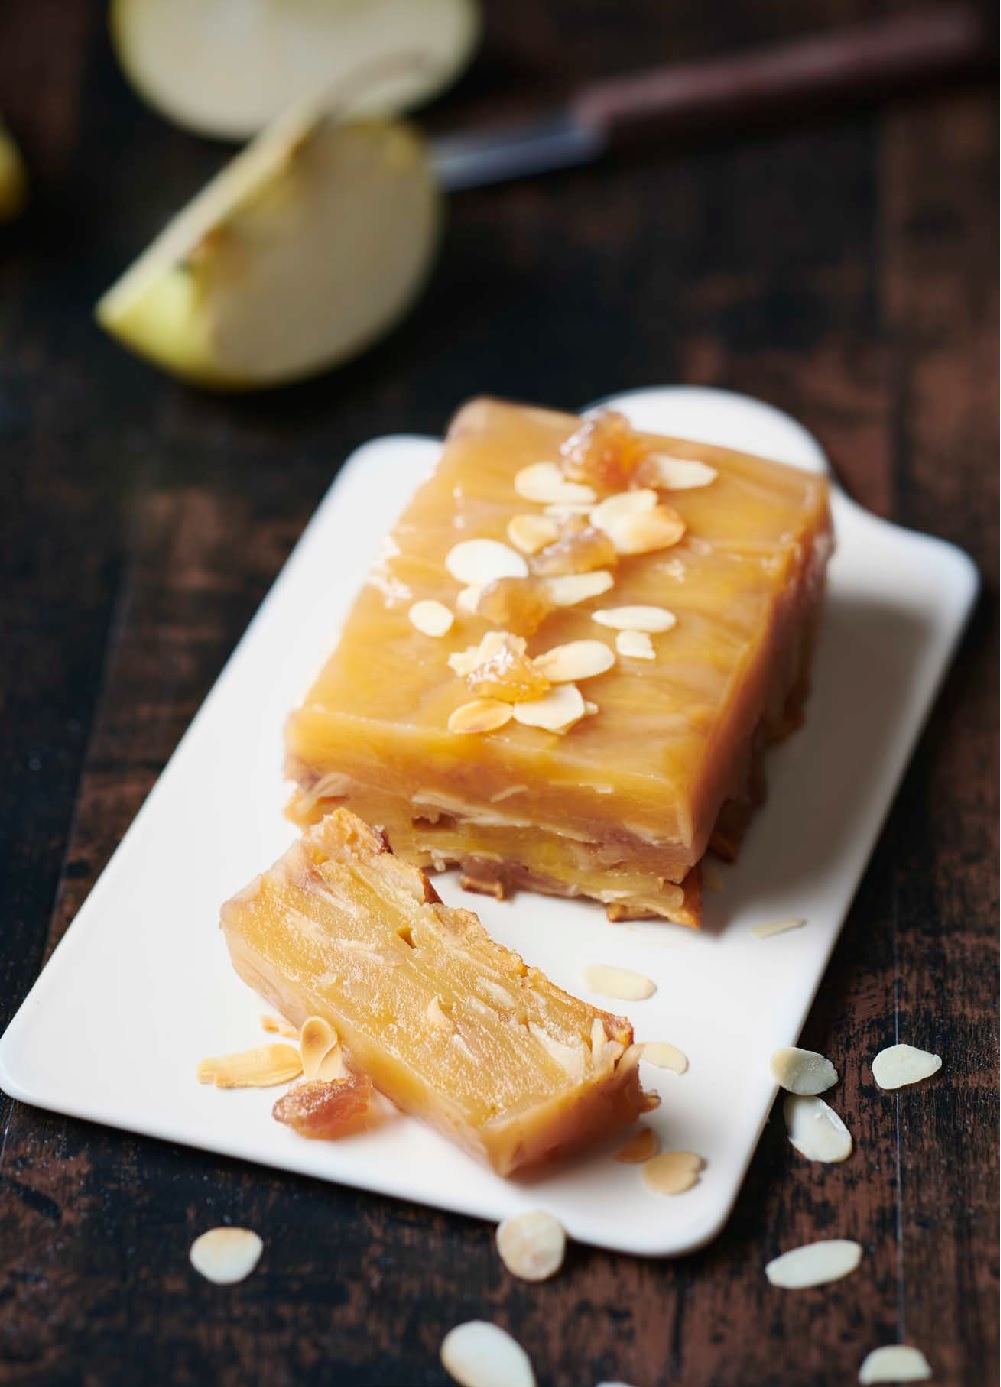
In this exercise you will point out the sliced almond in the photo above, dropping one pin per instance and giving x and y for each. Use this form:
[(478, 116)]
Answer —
[(564, 664), (570, 588), (332, 1065), (431, 618), (468, 599), (673, 1172), (482, 561), (652, 619), (639, 1148), (816, 1131), (277, 1025), (777, 927), (894, 1363), (532, 1245), (803, 1071), (613, 508), (679, 474), (621, 983), (262, 1067), (635, 645), (556, 711), (900, 1065), (645, 532), (480, 715), (479, 1354), (663, 1055), (530, 533), (226, 1255), (814, 1264), (316, 1039), (545, 483), (563, 511)]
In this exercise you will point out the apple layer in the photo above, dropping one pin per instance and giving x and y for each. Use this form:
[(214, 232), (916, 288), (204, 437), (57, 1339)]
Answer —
[(452, 1027), (665, 756)]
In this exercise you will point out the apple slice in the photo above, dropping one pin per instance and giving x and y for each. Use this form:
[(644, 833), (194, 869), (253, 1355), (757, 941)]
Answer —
[(228, 67), (308, 246), (13, 180)]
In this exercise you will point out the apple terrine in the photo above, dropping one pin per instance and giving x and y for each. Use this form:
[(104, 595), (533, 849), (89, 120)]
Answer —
[(563, 671)]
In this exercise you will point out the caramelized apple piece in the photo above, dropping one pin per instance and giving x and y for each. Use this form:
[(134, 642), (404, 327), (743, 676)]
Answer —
[(324, 1111), (604, 452), (508, 675), (580, 548), (520, 605)]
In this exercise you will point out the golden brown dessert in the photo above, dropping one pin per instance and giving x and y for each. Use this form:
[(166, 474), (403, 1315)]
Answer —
[(449, 1025), (564, 670)]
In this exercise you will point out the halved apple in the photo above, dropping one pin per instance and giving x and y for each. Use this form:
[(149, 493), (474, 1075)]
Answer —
[(307, 247), (227, 67), (13, 180)]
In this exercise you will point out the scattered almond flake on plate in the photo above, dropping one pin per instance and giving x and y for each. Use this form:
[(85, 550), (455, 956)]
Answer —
[(570, 588), (530, 533), (479, 561), (894, 1363), (621, 983), (643, 1146), (317, 1038), (565, 664), (778, 927), (673, 1172), (480, 715), (680, 474), (226, 1255), (816, 1131), (431, 618), (622, 503), (635, 645), (663, 1055), (651, 619), (803, 1071), (532, 1245), (262, 1067), (479, 1354), (555, 711), (545, 483), (900, 1065), (645, 532), (814, 1264), (277, 1025)]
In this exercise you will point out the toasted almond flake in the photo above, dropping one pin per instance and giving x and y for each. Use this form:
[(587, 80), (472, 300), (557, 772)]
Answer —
[(226, 1255), (262, 1067), (532, 1245), (680, 474), (641, 1147), (663, 1055), (803, 1071), (894, 1363), (816, 1131), (564, 664), (530, 533), (431, 618), (332, 1065), (652, 619), (645, 532), (622, 503), (556, 711), (621, 983), (814, 1264), (437, 1016), (570, 588), (479, 1354), (317, 1038), (673, 1172), (635, 645), (480, 715), (484, 560), (777, 927), (468, 599), (900, 1065), (545, 483), (277, 1025)]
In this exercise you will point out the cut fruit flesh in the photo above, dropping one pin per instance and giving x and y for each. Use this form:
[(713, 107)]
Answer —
[(519, 1072), (298, 255), (227, 67)]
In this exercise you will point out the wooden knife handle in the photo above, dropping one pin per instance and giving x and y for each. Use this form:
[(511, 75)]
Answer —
[(870, 61)]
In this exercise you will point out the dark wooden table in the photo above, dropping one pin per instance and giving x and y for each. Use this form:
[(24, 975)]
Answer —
[(845, 271)]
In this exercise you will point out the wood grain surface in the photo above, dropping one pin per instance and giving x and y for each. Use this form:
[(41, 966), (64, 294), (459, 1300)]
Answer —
[(844, 270)]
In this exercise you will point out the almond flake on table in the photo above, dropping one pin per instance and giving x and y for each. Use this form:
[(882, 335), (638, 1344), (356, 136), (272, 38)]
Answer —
[(816, 1130), (545, 483), (478, 561), (638, 618), (317, 1038), (900, 1065), (532, 1245), (565, 664), (894, 1363), (680, 474), (635, 645), (803, 1071), (479, 1354), (663, 1055), (226, 1255), (277, 1025), (778, 926), (431, 618), (673, 1172), (262, 1067), (621, 983), (641, 1147), (814, 1264)]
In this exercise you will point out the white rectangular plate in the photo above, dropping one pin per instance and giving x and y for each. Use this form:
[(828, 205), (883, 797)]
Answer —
[(140, 989)]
